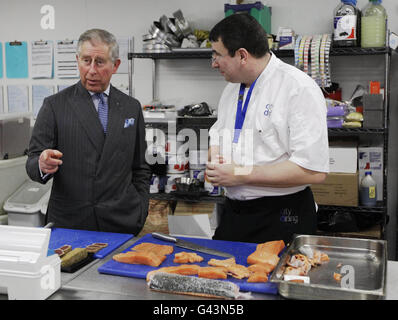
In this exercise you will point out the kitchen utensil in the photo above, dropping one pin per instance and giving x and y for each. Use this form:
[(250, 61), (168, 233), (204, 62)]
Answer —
[(190, 245)]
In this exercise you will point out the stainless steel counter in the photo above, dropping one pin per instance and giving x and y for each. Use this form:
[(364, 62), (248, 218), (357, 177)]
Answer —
[(90, 284)]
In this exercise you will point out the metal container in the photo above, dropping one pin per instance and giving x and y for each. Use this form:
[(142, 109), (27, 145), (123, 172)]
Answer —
[(363, 260), (181, 23)]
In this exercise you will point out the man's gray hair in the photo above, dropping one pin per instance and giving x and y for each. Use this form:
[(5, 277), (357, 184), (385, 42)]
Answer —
[(103, 36)]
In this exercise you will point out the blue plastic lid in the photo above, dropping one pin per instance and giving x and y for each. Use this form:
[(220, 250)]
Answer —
[(368, 173), (352, 2)]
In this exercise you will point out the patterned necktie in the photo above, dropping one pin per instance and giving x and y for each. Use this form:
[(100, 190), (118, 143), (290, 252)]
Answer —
[(102, 110)]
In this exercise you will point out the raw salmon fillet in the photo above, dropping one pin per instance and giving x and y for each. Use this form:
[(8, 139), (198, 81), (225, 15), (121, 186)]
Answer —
[(263, 257), (212, 273), (140, 257), (274, 247), (258, 277), (238, 271), (262, 268), (222, 263), (187, 257), (158, 249), (266, 254)]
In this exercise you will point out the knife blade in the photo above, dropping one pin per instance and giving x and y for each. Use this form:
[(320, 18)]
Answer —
[(190, 245)]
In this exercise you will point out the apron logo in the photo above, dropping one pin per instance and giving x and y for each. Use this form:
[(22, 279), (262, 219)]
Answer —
[(287, 217), (268, 110)]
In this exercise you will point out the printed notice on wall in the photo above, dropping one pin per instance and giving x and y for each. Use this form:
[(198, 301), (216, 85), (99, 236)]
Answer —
[(42, 59), (1, 100), (65, 59), (39, 93), (17, 98)]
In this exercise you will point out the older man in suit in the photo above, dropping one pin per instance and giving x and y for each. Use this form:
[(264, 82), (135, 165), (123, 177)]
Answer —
[(90, 138)]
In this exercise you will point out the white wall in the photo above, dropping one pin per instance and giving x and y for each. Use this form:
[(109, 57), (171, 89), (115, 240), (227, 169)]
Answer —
[(188, 81), (20, 20)]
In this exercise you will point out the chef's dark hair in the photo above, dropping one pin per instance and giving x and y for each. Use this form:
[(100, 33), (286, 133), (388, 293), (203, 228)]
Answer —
[(241, 31)]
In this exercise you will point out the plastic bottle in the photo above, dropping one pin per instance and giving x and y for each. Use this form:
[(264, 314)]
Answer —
[(347, 18), (373, 25), (367, 190)]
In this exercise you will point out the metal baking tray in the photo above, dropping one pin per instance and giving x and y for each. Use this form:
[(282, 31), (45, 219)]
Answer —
[(364, 262)]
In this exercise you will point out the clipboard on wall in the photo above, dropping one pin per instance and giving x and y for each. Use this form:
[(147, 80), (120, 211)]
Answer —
[(42, 59), (65, 59), (1, 62), (16, 59)]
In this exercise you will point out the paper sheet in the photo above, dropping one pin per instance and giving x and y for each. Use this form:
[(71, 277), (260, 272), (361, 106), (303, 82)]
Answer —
[(17, 98), (16, 60), (1, 100), (65, 59), (39, 92), (1, 60), (123, 52), (42, 59)]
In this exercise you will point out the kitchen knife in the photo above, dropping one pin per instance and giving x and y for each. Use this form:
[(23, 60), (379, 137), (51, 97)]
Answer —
[(190, 245)]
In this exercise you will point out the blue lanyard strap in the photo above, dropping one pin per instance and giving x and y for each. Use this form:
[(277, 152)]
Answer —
[(241, 113)]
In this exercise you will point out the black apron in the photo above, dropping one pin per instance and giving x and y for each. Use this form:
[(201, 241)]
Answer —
[(267, 218)]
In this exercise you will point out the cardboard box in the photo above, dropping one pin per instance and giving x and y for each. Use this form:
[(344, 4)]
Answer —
[(339, 189), (343, 159), (157, 219), (190, 208), (373, 156)]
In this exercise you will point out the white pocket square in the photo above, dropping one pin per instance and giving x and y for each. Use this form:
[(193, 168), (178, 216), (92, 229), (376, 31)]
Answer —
[(129, 122)]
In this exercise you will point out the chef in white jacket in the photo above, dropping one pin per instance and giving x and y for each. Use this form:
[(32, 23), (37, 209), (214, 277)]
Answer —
[(270, 142)]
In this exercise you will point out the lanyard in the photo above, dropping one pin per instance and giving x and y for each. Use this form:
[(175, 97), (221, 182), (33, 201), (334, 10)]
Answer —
[(241, 113)]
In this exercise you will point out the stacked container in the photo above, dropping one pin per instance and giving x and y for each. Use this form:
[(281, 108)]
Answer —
[(346, 24), (373, 25)]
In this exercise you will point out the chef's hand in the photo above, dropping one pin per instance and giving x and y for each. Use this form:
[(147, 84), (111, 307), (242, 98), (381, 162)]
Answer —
[(49, 161), (221, 173)]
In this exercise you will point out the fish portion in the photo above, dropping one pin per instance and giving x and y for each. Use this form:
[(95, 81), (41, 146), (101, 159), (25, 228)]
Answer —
[(258, 277), (147, 253), (222, 263), (264, 260), (187, 257), (212, 272), (158, 249), (140, 257), (300, 264), (237, 271)]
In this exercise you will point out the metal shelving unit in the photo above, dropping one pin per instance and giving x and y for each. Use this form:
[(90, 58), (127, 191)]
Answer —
[(382, 209)]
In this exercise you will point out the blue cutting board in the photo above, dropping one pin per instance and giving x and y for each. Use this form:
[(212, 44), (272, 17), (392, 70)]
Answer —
[(82, 238), (241, 250)]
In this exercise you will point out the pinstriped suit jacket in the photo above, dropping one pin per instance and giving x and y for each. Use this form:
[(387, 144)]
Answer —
[(103, 183)]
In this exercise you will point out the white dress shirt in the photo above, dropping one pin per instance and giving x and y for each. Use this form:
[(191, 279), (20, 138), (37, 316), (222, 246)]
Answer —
[(285, 120)]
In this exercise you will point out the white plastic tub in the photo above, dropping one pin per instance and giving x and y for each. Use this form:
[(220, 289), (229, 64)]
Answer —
[(12, 176), (24, 206)]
